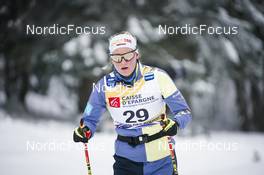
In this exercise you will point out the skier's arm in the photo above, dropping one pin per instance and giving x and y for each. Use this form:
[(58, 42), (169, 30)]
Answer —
[(174, 99), (95, 107)]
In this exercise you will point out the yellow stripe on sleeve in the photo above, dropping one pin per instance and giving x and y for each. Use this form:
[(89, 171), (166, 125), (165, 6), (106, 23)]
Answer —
[(166, 84)]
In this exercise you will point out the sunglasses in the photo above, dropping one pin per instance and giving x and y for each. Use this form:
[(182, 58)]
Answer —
[(126, 56)]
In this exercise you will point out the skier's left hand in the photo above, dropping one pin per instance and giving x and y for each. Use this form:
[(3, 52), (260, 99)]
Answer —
[(82, 133), (170, 127)]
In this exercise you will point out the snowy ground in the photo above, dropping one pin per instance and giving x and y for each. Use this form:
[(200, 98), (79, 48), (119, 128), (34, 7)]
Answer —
[(46, 148)]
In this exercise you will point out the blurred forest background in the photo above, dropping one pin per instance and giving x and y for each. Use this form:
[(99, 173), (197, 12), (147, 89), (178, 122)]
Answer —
[(51, 76)]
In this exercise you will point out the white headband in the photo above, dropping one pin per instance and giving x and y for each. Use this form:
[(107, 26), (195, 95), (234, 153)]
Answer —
[(122, 40)]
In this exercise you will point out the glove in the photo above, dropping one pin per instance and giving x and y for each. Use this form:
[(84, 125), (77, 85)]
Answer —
[(82, 133), (170, 127)]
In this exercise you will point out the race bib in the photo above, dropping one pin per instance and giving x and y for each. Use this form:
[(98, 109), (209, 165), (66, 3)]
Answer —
[(134, 106)]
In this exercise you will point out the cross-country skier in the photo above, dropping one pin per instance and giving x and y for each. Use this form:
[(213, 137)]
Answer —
[(136, 96)]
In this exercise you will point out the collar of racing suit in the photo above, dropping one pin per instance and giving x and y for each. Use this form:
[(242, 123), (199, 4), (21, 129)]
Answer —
[(131, 79)]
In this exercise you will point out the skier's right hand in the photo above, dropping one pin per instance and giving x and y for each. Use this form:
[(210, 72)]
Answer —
[(82, 133)]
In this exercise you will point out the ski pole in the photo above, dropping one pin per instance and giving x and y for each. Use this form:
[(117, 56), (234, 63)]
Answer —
[(173, 156), (171, 148), (87, 159)]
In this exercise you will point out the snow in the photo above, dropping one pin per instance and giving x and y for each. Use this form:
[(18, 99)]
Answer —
[(231, 21), (87, 57), (134, 26), (231, 51), (179, 6), (70, 48), (59, 101), (42, 104), (97, 71), (67, 65), (201, 86), (46, 148), (143, 30), (100, 53), (140, 2), (77, 44), (254, 12)]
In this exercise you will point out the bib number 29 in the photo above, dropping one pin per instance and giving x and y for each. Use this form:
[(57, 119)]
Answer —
[(141, 115)]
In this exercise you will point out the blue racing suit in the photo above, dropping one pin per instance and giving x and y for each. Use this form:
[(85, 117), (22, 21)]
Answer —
[(135, 106)]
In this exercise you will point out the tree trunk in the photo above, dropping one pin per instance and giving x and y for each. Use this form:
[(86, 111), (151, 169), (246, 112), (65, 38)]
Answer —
[(242, 106), (257, 104)]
